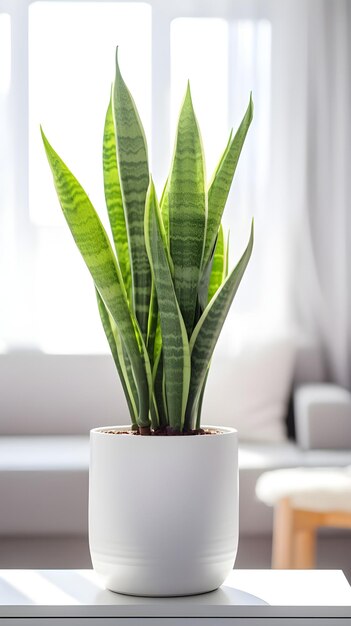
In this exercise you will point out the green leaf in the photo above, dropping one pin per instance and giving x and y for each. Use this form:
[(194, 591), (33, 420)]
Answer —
[(114, 202), (221, 182), (121, 360), (187, 208), (134, 179), (165, 211), (218, 265), (212, 276), (164, 208), (159, 396), (158, 340), (201, 399), (175, 346), (207, 330), (203, 288), (223, 156), (152, 324), (94, 245)]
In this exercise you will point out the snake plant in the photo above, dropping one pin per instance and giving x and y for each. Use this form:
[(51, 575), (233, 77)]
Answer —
[(162, 285)]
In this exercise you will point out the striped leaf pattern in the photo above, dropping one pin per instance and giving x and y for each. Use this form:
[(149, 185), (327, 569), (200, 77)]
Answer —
[(222, 180), (114, 202), (175, 346), (159, 395), (218, 266), (152, 323), (207, 330), (200, 400), (121, 360), (222, 158), (165, 211), (187, 208), (134, 179), (203, 287), (164, 292), (94, 245)]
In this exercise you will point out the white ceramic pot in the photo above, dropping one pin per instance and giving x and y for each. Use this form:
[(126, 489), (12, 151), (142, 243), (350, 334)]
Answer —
[(163, 511)]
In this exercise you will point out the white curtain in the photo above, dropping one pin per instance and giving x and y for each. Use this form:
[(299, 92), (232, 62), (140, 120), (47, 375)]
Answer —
[(299, 275), (311, 172)]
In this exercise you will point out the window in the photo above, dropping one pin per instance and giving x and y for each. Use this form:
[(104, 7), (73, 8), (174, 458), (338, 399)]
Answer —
[(225, 60), (69, 89), (206, 67), (62, 68), (6, 169), (5, 53)]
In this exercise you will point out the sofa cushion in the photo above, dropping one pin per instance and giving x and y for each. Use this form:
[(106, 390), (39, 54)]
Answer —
[(44, 485), (249, 389), (48, 394)]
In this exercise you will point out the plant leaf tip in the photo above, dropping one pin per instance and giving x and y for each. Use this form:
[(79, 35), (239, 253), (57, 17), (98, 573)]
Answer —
[(44, 138), (252, 229), (251, 105), (118, 72)]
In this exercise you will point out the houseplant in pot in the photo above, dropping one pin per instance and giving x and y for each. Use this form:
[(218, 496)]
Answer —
[(163, 500)]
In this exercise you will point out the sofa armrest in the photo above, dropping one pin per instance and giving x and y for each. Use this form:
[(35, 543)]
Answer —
[(323, 417)]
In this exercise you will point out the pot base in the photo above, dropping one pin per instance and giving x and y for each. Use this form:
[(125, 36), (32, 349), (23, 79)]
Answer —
[(183, 595), (178, 580)]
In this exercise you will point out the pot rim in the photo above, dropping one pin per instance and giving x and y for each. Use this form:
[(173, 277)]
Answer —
[(223, 430)]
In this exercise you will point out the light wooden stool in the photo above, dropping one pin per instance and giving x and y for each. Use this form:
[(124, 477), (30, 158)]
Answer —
[(304, 500)]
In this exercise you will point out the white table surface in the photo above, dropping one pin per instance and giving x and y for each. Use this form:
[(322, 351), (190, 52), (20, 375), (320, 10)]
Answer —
[(250, 596)]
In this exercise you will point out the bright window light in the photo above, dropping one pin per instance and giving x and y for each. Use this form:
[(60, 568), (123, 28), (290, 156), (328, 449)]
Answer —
[(199, 52), (36, 588), (225, 61), (250, 70), (5, 53), (71, 68), (6, 174)]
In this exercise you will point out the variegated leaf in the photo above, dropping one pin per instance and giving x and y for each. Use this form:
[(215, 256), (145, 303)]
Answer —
[(134, 180), (218, 265), (121, 360), (221, 182), (114, 202), (175, 346), (94, 245), (187, 209), (207, 330)]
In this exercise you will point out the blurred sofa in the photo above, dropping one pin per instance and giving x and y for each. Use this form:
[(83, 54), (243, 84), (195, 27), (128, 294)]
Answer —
[(49, 403)]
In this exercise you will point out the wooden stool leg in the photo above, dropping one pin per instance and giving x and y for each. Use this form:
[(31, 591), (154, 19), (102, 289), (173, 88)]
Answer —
[(282, 549), (304, 548)]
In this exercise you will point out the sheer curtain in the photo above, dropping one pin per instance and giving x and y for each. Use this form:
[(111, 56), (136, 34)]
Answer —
[(310, 182), (299, 275)]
